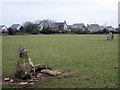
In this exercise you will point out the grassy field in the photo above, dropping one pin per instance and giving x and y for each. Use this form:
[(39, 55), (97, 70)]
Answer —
[(91, 58)]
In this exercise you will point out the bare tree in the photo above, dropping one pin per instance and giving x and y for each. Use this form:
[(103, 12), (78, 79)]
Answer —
[(30, 27), (46, 22)]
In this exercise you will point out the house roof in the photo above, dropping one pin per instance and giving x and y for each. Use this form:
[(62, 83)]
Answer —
[(102, 27), (107, 27), (72, 26), (57, 24), (15, 25), (94, 27), (110, 28), (1, 26), (79, 25), (44, 23)]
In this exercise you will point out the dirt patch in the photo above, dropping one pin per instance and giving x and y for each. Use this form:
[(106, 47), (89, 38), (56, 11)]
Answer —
[(89, 79), (44, 78)]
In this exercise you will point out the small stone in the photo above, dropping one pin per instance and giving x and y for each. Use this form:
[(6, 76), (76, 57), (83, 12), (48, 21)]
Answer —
[(31, 83), (53, 73), (36, 80), (23, 83), (7, 79), (31, 80), (39, 75), (11, 81), (59, 73)]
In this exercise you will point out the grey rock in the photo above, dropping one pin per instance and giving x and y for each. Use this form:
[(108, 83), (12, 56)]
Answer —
[(24, 64), (23, 83), (110, 36), (31, 80), (31, 83), (53, 73), (40, 67), (36, 80), (7, 79), (39, 75), (11, 81)]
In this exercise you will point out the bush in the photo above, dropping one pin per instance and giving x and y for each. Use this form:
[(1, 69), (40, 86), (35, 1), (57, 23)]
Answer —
[(10, 31), (46, 30), (79, 30)]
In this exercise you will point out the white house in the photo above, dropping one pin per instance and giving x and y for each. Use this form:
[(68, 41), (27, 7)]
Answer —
[(16, 27), (41, 26), (94, 27), (65, 26), (77, 25), (3, 28), (54, 26), (109, 28)]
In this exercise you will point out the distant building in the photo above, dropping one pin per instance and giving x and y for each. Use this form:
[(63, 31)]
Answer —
[(41, 26), (62, 26), (77, 25), (102, 27), (71, 26), (94, 27), (3, 29), (16, 27), (119, 26), (109, 28)]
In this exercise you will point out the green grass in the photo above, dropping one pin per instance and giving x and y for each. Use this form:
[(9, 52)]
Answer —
[(87, 56)]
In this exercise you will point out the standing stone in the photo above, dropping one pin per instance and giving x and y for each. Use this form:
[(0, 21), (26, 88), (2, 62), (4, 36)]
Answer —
[(110, 36), (24, 64)]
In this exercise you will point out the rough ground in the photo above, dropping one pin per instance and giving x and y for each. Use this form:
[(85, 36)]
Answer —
[(44, 78)]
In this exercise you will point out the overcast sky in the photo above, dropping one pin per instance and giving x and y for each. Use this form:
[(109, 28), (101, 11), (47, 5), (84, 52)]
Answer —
[(73, 11)]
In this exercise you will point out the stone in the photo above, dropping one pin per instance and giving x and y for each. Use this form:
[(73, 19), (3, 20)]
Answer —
[(31, 83), (53, 73), (110, 36), (39, 78), (23, 83), (24, 64), (40, 67), (39, 75), (25, 69), (36, 80), (11, 81), (31, 63), (31, 80), (7, 79)]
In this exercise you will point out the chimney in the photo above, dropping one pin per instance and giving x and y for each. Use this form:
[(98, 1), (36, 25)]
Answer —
[(64, 22)]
